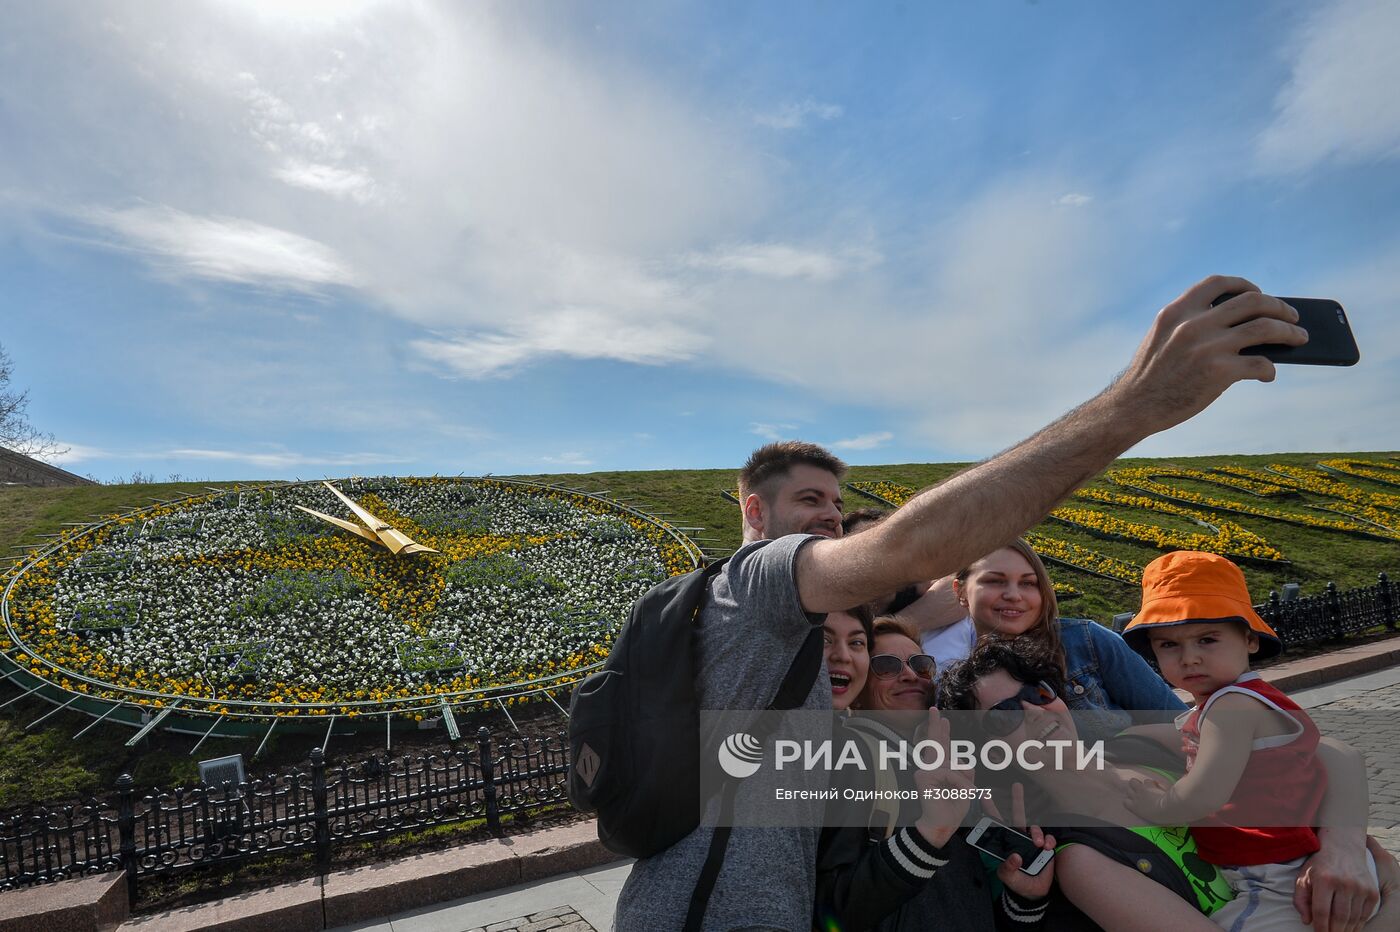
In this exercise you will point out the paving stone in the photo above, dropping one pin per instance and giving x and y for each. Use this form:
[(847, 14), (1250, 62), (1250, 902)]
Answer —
[(550, 913), (553, 922)]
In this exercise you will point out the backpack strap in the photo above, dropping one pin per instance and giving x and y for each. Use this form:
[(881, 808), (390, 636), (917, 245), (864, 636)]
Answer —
[(797, 683)]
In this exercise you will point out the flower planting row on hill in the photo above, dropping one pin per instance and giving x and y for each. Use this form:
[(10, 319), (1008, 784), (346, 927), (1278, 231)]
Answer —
[(239, 597), (1379, 511), (1226, 538), (895, 495), (1257, 483), (1384, 473)]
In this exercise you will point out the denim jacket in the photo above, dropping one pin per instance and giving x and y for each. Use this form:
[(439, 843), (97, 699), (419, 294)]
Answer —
[(1104, 674)]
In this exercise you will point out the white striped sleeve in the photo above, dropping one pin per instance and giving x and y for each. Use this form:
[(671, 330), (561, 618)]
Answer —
[(912, 857), (1021, 910)]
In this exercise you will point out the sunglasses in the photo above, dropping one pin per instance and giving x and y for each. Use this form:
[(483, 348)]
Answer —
[(1006, 716), (887, 666)]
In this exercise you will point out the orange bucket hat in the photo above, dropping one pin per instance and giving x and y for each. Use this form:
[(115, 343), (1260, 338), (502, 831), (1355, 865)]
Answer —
[(1188, 587)]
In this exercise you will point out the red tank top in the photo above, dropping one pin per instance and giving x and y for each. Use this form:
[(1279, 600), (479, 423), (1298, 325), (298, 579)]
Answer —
[(1283, 781)]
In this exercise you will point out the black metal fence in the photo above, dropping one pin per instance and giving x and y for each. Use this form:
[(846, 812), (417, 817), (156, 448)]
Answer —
[(1331, 615), (308, 810)]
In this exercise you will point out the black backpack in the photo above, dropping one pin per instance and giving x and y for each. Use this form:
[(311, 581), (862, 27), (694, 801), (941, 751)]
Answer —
[(634, 726)]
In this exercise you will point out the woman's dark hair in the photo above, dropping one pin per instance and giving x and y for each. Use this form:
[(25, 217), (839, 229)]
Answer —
[(866, 617), (862, 518), (1027, 659)]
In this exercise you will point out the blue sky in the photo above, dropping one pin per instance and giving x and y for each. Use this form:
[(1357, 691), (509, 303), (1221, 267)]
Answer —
[(263, 240)]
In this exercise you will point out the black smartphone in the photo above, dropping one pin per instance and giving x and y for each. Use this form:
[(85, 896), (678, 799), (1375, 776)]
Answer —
[(1330, 341), (1000, 841)]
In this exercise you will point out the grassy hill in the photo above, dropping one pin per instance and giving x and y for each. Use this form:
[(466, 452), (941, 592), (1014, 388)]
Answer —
[(44, 763), (693, 498)]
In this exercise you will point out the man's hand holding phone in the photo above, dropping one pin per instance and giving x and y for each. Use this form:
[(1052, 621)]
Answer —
[(1192, 353), (1330, 340)]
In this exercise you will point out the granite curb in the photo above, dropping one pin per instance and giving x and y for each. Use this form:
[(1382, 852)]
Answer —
[(367, 893)]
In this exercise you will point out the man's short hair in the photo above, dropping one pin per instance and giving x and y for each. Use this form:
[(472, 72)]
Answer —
[(773, 461)]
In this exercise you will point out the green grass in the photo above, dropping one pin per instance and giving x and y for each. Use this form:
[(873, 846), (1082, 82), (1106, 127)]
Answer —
[(48, 764), (692, 497)]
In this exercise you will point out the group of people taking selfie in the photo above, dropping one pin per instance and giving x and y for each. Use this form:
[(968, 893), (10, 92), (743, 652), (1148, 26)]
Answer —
[(941, 606), (1111, 869)]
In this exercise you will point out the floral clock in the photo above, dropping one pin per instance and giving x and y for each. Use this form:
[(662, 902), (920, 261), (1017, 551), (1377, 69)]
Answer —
[(396, 597)]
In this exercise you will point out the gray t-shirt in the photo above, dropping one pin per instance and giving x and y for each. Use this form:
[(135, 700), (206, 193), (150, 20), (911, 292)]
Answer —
[(751, 628)]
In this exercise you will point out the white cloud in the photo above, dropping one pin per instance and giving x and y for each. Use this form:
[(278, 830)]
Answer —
[(963, 352), (277, 459), (261, 457), (74, 453), (338, 182), (568, 458), (779, 260), (1340, 101), (1073, 200), (373, 145), (863, 442), (222, 248), (773, 431), (579, 333), (795, 115)]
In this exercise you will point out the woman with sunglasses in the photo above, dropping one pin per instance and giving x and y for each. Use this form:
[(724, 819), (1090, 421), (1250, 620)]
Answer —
[(909, 867), (1008, 594), (901, 675)]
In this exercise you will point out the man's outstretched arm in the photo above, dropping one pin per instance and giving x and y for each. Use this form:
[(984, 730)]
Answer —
[(1189, 357)]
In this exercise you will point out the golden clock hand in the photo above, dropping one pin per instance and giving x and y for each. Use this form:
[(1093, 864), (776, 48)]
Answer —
[(397, 541), (373, 523), (352, 528)]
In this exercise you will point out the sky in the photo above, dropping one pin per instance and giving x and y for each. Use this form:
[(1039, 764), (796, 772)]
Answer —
[(261, 240)]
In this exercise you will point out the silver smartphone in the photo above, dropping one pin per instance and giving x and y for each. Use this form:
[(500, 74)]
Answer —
[(1000, 841)]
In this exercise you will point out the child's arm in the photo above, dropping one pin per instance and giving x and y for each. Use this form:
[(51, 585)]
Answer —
[(1164, 733), (1226, 743)]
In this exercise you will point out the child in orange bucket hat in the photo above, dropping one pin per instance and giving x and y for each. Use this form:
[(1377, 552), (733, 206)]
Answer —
[(1253, 782)]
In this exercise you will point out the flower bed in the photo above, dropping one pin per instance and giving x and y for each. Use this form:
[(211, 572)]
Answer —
[(1226, 538), (1255, 482), (1378, 509), (1384, 473), (240, 604), (895, 495)]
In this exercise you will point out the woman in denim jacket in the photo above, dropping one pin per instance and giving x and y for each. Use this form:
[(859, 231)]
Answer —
[(1007, 594)]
